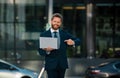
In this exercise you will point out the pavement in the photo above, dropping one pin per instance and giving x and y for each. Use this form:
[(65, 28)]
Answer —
[(77, 66)]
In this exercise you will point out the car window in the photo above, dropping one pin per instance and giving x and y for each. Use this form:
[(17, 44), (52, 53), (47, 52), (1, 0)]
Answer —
[(117, 65), (4, 66), (103, 64)]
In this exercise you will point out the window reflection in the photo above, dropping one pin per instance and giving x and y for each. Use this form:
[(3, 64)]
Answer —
[(21, 22)]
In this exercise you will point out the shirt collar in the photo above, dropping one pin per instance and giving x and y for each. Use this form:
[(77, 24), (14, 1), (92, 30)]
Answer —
[(52, 30)]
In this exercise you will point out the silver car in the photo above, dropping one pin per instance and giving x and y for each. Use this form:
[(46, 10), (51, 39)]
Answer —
[(8, 70)]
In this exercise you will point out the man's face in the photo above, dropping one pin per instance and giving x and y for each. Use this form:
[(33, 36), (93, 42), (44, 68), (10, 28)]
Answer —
[(56, 23)]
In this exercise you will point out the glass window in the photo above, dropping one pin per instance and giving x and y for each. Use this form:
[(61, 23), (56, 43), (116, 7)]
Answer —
[(107, 30), (4, 66), (21, 22), (117, 65), (74, 23)]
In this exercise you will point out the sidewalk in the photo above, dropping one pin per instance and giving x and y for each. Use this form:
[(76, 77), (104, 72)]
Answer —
[(77, 66)]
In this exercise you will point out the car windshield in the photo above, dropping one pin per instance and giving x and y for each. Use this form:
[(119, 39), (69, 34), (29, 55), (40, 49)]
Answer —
[(106, 63), (8, 66), (103, 64)]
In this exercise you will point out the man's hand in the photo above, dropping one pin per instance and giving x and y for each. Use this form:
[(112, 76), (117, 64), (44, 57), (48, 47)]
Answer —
[(69, 42), (48, 49)]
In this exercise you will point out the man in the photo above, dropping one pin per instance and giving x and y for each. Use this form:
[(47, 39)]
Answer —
[(56, 59)]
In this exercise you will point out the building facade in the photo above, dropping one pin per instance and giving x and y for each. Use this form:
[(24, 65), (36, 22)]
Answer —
[(96, 23)]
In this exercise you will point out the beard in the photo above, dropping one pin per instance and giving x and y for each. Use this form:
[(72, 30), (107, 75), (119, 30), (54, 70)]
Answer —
[(55, 26)]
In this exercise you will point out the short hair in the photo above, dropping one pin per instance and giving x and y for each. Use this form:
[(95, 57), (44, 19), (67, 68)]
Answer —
[(57, 15)]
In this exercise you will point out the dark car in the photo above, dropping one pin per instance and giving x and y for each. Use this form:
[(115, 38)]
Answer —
[(104, 70)]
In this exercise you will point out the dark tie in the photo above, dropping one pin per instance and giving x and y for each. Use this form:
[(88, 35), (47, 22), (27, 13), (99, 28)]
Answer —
[(55, 34)]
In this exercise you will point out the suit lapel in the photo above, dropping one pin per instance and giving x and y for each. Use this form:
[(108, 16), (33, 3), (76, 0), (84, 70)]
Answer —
[(61, 35), (49, 33)]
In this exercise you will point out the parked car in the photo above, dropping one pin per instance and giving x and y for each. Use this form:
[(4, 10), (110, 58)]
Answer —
[(104, 70), (8, 70)]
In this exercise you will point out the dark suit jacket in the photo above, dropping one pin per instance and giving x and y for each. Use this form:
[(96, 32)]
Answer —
[(57, 57)]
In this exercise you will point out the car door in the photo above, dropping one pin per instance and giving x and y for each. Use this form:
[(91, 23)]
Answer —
[(7, 74)]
